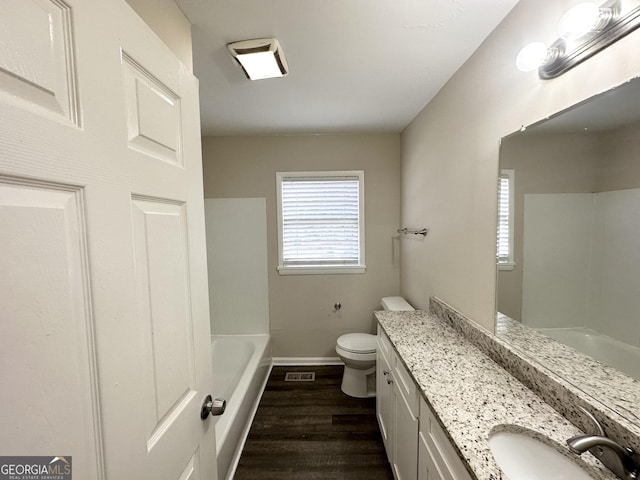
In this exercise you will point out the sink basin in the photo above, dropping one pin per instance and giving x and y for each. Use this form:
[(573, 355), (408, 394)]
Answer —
[(522, 457)]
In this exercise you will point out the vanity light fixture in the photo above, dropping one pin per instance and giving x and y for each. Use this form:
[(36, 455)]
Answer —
[(260, 58), (531, 56), (584, 30), (583, 19)]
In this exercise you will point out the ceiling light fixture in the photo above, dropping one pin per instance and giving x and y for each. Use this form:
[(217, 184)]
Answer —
[(260, 58), (585, 30)]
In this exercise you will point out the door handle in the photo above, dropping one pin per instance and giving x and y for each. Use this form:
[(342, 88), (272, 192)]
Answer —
[(212, 406)]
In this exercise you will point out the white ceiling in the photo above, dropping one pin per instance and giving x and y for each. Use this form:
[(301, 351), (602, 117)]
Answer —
[(355, 65)]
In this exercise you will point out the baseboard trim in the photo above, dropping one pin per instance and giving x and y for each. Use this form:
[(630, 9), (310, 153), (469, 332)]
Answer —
[(303, 361)]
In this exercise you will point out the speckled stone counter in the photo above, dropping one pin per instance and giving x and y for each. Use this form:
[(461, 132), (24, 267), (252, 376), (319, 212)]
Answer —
[(472, 395), (581, 379), (562, 376)]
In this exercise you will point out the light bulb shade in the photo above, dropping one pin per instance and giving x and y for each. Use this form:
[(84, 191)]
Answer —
[(260, 58), (584, 18), (531, 56)]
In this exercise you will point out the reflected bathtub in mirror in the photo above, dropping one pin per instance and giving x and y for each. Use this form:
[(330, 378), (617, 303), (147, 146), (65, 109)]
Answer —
[(573, 269)]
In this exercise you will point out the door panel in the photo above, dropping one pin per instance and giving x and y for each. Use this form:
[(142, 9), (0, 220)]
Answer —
[(191, 472), (48, 367), (36, 62), (153, 114), (162, 273), (94, 257)]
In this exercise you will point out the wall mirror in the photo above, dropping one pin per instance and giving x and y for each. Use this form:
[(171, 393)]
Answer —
[(569, 251)]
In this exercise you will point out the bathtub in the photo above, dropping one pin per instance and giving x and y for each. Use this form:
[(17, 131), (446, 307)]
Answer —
[(241, 365), (607, 350)]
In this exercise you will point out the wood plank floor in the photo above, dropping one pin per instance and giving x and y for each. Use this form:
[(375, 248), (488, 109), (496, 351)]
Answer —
[(311, 430)]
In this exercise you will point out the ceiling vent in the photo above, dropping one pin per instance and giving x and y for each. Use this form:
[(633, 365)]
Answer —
[(260, 58)]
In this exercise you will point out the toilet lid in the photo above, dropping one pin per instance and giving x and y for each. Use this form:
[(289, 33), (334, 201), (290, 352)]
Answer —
[(358, 342)]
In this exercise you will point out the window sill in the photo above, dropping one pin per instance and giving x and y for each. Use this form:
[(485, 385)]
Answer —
[(324, 270), (506, 266)]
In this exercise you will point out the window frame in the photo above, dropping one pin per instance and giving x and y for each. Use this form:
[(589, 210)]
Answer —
[(311, 269), (506, 263)]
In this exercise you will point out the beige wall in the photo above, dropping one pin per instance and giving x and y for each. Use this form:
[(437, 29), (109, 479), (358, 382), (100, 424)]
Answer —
[(303, 321), (621, 168), (169, 23), (450, 154)]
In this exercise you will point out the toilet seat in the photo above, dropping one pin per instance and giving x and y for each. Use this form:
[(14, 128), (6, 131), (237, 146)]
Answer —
[(358, 343)]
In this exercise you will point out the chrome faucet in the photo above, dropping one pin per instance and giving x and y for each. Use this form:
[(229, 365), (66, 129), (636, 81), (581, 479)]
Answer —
[(622, 461)]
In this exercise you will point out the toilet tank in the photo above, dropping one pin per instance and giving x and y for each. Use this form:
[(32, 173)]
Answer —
[(397, 304)]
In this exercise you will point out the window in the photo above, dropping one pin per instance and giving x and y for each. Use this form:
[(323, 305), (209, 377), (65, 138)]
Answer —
[(505, 220), (320, 222)]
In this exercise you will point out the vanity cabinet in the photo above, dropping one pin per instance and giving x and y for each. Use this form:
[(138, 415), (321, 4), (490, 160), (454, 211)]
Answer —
[(397, 409), (384, 400), (437, 459), (416, 445)]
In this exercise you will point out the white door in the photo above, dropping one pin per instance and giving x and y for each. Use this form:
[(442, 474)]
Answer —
[(104, 326)]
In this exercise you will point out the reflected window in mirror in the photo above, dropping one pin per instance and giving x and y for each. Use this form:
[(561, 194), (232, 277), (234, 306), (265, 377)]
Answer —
[(505, 219)]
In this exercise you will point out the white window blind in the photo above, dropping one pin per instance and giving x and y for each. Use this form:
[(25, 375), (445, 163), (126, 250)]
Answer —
[(505, 217), (320, 220)]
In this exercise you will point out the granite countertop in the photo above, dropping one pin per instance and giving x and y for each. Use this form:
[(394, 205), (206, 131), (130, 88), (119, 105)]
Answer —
[(594, 378), (472, 395)]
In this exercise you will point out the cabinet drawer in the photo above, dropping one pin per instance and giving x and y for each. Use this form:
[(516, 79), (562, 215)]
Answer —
[(443, 455), (384, 345)]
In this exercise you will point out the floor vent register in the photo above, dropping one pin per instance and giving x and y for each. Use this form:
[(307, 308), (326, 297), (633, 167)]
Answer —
[(300, 377)]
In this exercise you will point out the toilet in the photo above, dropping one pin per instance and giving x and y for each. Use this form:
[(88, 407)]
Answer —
[(358, 352)]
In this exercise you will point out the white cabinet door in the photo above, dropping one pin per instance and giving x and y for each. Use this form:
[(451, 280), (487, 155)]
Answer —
[(397, 411), (438, 459), (405, 461), (427, 468), (104, 331), (385, 403)]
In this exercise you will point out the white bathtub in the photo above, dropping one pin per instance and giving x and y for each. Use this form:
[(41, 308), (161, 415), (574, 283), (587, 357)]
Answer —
[(241, 365), (607, 350)]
